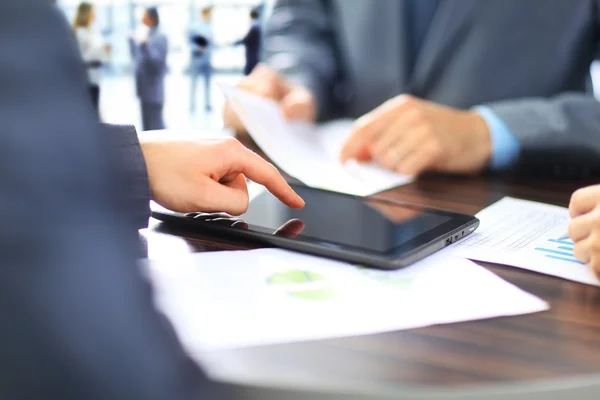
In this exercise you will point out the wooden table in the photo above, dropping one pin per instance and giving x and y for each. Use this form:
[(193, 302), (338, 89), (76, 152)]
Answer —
[(562, 342)]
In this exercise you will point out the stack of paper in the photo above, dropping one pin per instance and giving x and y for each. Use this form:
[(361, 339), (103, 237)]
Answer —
[(235, 299), (308, 152), (527, 235)]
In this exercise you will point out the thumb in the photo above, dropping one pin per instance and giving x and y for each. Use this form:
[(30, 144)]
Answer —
[(299, 105)]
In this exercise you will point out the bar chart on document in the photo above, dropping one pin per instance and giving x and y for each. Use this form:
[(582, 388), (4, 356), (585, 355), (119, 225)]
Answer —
[(526, 235), (559, 249)]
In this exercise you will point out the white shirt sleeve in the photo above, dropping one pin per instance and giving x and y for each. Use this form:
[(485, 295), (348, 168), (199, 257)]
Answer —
[(91, 45)]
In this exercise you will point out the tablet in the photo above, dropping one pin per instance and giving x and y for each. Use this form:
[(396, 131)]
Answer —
[(373, 232)]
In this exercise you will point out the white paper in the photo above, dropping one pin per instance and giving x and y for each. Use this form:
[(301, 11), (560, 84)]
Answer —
[(246, 298), (527, 235), (308, 152)]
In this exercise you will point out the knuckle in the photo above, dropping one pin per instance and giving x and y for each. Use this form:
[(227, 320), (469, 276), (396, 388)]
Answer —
[(432, 150), (571, 230), (231, 143), (594, 241), (238, 210), (435, 148), (363, 123), (387, 162), (581, 252), (429, 132), (409, 100), (418, 117), (592, 220), (399, 168), (379, 157), (244, 205), (595, 222), (247, 83), (273, 169), (229, 147), (577, 197)]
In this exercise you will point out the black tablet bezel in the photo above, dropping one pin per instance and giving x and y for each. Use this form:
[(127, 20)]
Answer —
[(459, 226)]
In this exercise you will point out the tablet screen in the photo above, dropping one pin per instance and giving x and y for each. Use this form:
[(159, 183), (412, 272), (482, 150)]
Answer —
[(330, 218)]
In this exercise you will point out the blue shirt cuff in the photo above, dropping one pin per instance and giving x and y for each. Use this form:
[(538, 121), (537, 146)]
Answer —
[(505, 146)]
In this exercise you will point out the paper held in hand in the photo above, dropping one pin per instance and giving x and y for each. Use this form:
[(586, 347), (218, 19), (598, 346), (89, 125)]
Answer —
[(308, 152)]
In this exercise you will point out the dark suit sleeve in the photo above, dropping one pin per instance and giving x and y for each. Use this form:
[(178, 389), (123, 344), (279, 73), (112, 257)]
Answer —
[(77, 318), (299, 42), (251, 38), (564, 129), (134, 178), (154, 52)]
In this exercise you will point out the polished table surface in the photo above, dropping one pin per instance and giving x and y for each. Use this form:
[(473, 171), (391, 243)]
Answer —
[(561, 342)]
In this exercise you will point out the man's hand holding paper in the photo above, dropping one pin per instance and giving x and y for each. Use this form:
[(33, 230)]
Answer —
[(307, 151), (297, 103)]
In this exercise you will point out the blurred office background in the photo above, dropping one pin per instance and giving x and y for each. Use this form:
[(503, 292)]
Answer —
[(116, 20)]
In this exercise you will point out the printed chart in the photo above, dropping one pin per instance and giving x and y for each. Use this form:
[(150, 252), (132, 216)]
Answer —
[(526, 235), (235, 299), (559, 249)]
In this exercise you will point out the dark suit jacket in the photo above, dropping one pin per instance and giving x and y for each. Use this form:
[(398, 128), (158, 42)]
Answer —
[(77, 319), (150, 61), (252, 43), (527, 60)]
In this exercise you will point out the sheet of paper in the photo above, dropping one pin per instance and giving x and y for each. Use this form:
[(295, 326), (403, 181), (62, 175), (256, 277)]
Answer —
[(527, 235), (247, 298), (308, 152)]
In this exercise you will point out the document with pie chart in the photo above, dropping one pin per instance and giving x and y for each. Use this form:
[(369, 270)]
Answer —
[(233, 299)]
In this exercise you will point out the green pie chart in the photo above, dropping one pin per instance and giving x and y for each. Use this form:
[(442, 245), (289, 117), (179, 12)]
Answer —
[(294, 276), (387, 278), (302, 284)]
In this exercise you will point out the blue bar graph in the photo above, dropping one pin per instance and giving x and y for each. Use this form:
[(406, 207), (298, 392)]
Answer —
[(568, 248), (564, 252), (566, 259), (559, 253), (559, 241)]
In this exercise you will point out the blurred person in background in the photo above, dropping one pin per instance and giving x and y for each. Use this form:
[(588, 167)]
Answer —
[(455, 86), (149, 48), (252, 42), (201, 38), (94, 50)]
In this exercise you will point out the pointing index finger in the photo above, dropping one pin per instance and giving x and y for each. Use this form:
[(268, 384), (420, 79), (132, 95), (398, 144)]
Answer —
[(260, 171)]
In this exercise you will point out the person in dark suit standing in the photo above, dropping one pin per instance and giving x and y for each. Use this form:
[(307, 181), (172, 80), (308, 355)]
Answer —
[(252, 42), (149, 51), (78, 320)]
